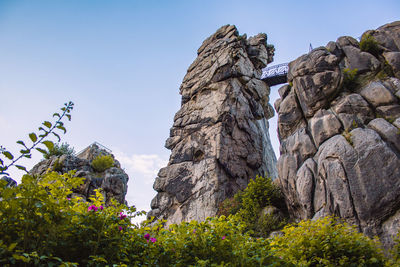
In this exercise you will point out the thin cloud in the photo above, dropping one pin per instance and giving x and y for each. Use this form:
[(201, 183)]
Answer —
[(142, 165)]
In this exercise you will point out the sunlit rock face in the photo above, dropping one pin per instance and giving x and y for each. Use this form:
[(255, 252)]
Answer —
[(112, 182), (340, 135), (219, 139)]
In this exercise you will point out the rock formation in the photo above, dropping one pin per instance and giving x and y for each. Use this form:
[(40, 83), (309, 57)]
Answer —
[(339, 128), (113, 182), (219, 139)]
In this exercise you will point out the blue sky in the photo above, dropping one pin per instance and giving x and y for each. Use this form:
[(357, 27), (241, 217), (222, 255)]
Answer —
[(122, 62)]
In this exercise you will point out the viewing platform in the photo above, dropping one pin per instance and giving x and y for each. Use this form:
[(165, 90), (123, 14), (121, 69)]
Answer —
[(276, 74)]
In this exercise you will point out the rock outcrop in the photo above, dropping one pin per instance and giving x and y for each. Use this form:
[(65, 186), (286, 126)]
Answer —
[(219, 139), (113, 181), (339, 128)]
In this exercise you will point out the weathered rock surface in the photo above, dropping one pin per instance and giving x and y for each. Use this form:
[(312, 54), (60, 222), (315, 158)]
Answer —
[(219, 139), (340, 139), (113, 182)]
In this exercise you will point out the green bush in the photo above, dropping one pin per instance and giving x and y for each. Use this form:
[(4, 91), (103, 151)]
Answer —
[(350, 80), (370, 45), (326, 242), (42, 225), (247, 205), (59, 150), (102, 163), (40, 221), (260, 193), (214, 242)]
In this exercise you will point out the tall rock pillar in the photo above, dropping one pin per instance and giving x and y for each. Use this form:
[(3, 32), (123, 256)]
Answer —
[(219, 139)]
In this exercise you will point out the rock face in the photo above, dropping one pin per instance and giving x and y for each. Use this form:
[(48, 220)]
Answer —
[(219, 139), (113, 182), (340, 135)]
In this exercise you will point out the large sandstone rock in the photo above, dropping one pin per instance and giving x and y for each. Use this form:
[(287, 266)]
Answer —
[(219, 139), (113, 182), (340, 144)]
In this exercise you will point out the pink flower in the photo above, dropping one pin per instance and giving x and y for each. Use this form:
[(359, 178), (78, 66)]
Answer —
[(120, 228), (194, 231), (153, 240), (68, 198), (147, 236), (223, 237), (101, 207), (92, 207), (122, 216)]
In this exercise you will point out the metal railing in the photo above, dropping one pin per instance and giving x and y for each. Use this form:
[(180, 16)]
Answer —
[(97, 144)]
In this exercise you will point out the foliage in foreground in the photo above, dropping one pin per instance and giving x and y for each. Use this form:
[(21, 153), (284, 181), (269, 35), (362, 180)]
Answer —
[(40, 222), (43, 225), (327, 242)]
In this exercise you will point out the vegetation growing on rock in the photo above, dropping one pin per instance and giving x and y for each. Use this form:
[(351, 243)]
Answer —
[(370, 45), (59, 150), (102, 163), (256, 206)]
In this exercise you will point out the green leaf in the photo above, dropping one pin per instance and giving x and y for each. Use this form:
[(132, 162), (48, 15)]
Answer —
[(47, 124), (68, 116), (8, 155), (48, 144), (62, 128), (56, 115), (12, 246), (56, 135), (21, 168), (3, 168), (28, 156), (1, 162), (21, 143), (33, 137), (24, 151), (41, 150)]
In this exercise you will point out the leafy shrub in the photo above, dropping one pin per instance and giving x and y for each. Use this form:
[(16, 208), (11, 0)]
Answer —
[(41, 225), (350, 80), (370, 45), (229, 206), (248, 204), (386, 71), (102, 163), (214, 242), (326, 242), (59, 150), (39, 218), (260, 192)]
